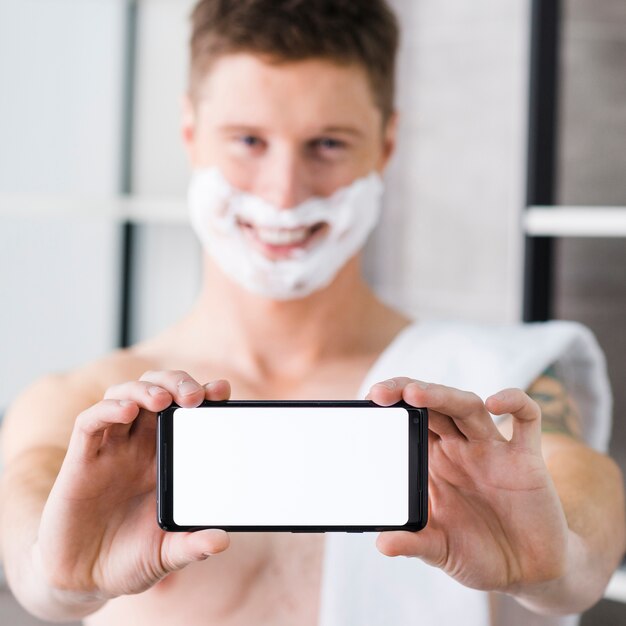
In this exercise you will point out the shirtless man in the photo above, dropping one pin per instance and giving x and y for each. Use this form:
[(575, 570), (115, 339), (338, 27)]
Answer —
[(79, 534)]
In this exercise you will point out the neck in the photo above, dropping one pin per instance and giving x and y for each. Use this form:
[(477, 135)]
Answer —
[(289, 338)]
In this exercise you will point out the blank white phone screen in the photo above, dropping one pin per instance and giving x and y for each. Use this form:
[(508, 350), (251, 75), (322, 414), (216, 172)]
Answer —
[(304, 466)]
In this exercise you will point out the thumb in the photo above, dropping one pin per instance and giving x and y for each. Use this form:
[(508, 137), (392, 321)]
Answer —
[(180, 549), (428, 544)]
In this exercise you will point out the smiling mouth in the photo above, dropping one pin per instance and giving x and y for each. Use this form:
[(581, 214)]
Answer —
[(280, 243)]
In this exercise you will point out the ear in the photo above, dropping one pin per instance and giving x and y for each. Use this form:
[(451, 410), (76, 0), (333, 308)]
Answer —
[(390, 132), (188, 127)]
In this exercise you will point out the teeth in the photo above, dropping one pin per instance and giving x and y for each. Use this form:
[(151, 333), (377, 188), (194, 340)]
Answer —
[(282, 237)]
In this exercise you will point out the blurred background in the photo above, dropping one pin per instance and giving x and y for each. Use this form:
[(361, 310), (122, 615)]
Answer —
[(503, 200)]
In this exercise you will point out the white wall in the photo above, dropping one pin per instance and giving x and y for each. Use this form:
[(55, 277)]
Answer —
[(160, 165), (60, 111), (168, 257), (59, 302), (60, 63), (456, 189)]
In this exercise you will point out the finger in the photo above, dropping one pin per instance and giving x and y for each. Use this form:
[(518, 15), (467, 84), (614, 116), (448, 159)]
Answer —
[(388, 392), (217, 390), (526, 415), (145, 426), (428, 544), (92, 423), (185, 390), (466, 409), (443, 426), (181, 549), (147, 396), (118, 432)]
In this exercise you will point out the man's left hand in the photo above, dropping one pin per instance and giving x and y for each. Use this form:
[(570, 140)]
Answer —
[(495, 518)]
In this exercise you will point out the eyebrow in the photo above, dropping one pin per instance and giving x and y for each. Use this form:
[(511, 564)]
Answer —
[(230, 128), (345, 130)]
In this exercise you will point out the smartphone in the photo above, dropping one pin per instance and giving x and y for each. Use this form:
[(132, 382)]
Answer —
[(305, 466)]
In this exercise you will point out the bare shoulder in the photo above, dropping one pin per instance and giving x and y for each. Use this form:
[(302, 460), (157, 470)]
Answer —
[(43, 414)]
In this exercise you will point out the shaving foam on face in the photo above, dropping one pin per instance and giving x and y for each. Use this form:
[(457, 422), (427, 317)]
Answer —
[(217, 209)]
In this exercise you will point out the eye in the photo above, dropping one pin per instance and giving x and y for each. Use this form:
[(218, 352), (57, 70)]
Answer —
[(327, 148), (250, 140), (328, 144), (247, 145)]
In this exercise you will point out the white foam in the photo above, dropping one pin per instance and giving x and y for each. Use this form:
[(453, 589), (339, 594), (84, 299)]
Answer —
[(216, 208)]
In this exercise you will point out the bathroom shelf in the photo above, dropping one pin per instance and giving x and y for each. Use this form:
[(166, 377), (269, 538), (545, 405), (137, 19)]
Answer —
[(134, 209), (575, 221)]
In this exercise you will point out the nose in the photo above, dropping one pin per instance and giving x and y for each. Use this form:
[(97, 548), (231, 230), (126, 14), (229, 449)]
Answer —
[(283, 180)]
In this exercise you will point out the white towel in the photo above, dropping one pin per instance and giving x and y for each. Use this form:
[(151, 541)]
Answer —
[(361, 587)]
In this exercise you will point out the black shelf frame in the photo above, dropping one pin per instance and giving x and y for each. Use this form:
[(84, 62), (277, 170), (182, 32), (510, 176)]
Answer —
[(128, 230), (542, 158)]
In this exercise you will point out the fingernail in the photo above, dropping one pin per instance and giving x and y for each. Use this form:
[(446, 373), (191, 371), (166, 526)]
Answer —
[(155, 391), (390, 384), (126, 403), (421, 385), (186, 387), (210, 384)]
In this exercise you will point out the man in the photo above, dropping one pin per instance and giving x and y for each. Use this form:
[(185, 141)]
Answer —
[(289, 124)]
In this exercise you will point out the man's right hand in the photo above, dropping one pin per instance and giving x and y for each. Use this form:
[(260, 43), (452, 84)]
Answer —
[(98, 534)]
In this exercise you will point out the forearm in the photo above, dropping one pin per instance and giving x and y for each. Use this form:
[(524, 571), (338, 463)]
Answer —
[(45, 601), (590, 488), (583, 582), (26, 486)]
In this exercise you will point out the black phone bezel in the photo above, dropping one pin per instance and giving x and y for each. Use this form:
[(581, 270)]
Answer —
[(418, 467)]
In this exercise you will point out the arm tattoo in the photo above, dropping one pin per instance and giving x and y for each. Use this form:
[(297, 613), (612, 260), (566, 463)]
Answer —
[(558, 413)]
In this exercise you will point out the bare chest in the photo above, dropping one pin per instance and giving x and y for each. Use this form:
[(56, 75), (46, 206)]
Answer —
[(262, 579), (339, 380)]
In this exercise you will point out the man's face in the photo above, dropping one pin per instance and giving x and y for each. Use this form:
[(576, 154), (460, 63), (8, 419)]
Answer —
[(287, 131)]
